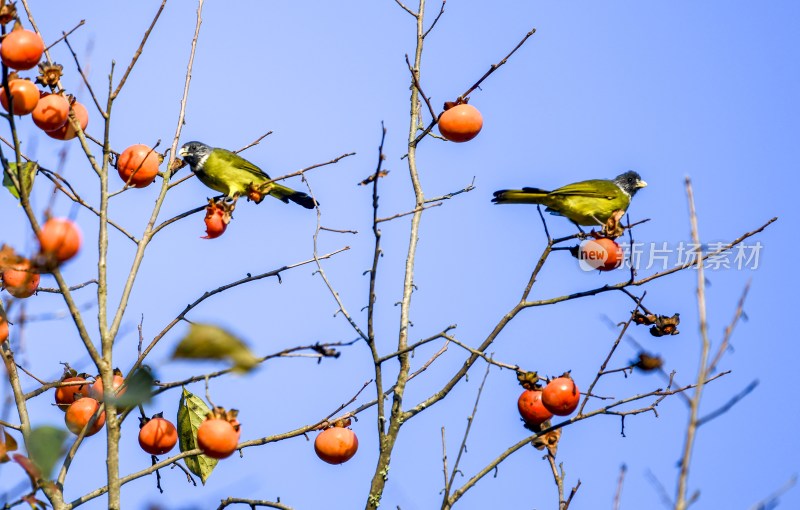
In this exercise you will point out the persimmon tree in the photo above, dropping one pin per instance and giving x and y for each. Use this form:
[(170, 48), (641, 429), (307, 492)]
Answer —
[(399, 390)]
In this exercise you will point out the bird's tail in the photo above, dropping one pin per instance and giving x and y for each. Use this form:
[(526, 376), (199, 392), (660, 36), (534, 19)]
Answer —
[(520, 196), (285, 195)]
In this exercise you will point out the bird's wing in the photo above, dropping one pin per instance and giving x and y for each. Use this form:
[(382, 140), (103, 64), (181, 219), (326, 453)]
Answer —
[(239, 162), (595, 188)]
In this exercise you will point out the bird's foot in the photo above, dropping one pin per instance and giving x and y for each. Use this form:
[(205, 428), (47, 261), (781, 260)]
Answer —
[(613, 227), (257, 193)]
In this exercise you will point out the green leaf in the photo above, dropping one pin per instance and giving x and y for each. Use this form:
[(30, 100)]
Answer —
[(45, 447), (205, 341), (25, 178), (192, 412), (138, 389)]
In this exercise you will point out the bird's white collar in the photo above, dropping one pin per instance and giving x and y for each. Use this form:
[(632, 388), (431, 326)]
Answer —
[(202, 161)]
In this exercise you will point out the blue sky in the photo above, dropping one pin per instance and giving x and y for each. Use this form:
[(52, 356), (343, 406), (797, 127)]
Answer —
[(669, 89)]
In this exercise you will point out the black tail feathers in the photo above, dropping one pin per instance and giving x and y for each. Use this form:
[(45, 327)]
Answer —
[(300, 198)]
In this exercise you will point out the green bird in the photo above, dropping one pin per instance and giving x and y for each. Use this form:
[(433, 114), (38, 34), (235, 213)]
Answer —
[(586, 203), (234, 176)]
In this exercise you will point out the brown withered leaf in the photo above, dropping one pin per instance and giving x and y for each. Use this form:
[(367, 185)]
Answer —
[(648, 362), (665, 326), (325, 352), (548, 440), (642, 318), (8, 445), (176, 165), (49, 74), (372, 177), (527, 380), (8, 257), (613, 227), (8, 12), (29, 467)]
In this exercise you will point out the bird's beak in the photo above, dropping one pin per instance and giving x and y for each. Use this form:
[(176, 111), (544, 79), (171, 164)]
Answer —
[(640, 184), (182, 152)]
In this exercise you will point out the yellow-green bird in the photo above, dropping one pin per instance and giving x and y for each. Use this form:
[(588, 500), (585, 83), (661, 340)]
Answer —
[(234, 176), (586, 203)]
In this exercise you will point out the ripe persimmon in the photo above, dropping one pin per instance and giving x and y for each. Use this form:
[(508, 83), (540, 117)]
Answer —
[(218, 215), (80, 412), (138, 165), (24, 93), (336, 445), (3, 330), (66, 395), (218, 437), (460, 123), (51, 112), (158, 436), (531, 408), (21, 49), (59, 239), (66, 132), (602, 253), (561, 396), (20, 280), (96, 389)]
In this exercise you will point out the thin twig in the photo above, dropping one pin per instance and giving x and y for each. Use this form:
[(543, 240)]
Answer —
[(321, 272), (772, 500), (661, 393), (253, 143), (398, 2), (302, 171), (85, 78), (463, 448), (73, 287), (415, 80), (252, 503), (208, 294), (726, 339), (70, 193), (448, 196), (435, 20), (285, 353), (372, 298), (141, 48), (407, 213), (729, 404), (620, 481), (66, 34), (10, 425), (681, 500), (441, 334), (602, 369), (496, 66)]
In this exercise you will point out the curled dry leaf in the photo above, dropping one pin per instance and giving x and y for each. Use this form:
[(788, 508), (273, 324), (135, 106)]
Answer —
[(613, 227), (49, 74), (372, 177), (527, 380), (648, 362), (548, 440), (8, 445)]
